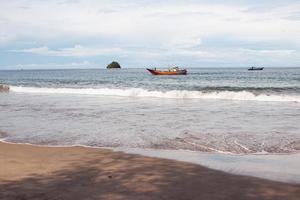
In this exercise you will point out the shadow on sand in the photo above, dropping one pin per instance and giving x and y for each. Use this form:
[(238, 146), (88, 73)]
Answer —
[(123, 176)]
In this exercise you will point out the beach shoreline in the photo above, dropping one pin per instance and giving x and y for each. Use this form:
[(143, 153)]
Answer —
[(281, 167), (36, 172)]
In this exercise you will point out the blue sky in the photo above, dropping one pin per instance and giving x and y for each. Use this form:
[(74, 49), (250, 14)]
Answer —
[(142, 33)]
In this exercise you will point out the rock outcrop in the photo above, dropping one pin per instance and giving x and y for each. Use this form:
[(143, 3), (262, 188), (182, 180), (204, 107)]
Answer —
[(114, 65), (4, 88)]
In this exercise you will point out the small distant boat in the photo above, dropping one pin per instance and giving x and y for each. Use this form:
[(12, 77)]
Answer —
[(255, 68), (171, 71)]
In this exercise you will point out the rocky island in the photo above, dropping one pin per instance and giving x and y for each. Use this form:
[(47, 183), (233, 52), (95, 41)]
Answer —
[(114, 65)]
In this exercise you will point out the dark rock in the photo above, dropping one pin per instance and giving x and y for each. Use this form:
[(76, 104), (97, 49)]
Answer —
[(113, 65), (4, 88), (3, 135)]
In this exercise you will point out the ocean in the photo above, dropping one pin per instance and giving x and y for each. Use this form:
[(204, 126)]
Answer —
[(223, 110)]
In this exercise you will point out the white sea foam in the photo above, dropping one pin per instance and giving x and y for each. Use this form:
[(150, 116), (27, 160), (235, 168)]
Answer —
[(177, 94)]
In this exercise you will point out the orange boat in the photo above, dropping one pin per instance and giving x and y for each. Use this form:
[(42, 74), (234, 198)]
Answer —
[(171, 71)]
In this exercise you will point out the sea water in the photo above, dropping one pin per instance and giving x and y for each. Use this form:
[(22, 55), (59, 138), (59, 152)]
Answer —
[(209, 110), (239, 121)]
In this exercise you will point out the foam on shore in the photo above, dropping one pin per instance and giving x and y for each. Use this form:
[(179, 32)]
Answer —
[(172, 94)]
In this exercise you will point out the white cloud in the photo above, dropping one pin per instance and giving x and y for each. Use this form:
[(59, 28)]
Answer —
[(76, 51), (84, 64), (153, 29), (4, 39), (161, 22), (231, 55)]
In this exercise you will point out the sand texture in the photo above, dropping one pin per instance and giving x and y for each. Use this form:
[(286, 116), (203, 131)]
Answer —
[(68, 173)]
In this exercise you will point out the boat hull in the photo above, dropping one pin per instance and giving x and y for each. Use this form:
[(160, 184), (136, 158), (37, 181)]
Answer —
[(255, 68), (158, 72)]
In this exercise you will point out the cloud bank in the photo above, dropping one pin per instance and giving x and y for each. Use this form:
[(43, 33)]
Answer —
[(195, 33)]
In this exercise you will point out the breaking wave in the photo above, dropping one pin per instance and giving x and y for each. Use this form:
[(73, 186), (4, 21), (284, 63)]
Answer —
[(175, 94)]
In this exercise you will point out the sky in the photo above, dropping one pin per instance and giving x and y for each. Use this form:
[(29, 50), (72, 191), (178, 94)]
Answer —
[(50, 34)]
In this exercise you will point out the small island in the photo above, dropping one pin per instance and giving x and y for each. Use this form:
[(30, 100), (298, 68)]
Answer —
[(114, 65)]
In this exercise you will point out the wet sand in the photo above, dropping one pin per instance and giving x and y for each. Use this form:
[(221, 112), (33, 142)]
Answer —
[(31, 172), (276, 167)]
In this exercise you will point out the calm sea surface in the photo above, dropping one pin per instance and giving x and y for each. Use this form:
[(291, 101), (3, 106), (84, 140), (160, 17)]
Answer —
[(209, 110)]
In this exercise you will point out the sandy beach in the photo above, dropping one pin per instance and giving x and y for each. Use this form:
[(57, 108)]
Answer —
[(32, 172)]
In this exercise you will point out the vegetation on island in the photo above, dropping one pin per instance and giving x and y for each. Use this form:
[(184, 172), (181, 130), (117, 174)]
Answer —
[(113, 65)]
